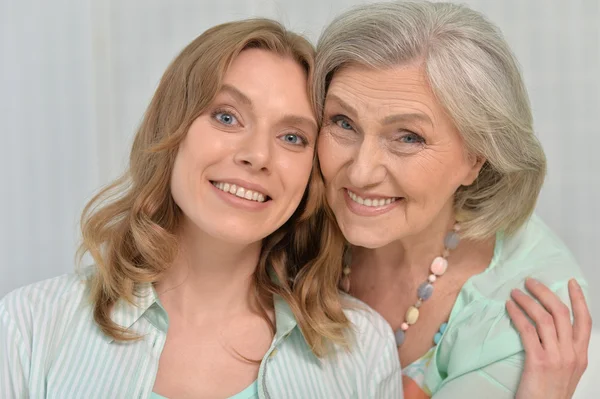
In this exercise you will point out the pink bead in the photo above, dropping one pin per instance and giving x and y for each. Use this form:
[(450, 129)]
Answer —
[(404, 326), (456, 227), (439, 266), (432, 278)]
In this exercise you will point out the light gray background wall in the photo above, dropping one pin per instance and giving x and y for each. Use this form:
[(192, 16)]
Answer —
[(76, 76)]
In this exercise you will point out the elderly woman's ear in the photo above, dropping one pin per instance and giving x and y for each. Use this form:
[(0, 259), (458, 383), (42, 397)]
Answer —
[(477, 163)]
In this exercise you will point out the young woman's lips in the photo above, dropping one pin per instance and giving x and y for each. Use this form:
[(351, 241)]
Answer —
[(240, 197)]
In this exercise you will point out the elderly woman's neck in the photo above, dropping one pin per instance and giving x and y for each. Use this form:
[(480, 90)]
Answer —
[(209, 275), (409, 253)]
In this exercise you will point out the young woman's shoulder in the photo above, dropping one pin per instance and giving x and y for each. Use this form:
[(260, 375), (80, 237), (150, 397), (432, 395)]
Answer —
[(371, 336), (366, 323), (46, 304), (372, 360)]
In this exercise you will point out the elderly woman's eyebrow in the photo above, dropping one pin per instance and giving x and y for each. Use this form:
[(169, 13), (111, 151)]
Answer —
[(408, 117), (347, 107), (388, 120)]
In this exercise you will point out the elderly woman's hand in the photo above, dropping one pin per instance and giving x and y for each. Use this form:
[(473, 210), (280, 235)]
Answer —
[(556, 350)]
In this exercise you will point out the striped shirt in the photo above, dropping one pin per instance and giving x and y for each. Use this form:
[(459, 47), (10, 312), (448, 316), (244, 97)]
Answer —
[(50, 347)]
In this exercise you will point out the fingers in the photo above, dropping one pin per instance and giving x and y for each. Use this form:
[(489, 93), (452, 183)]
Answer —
[(564, 346), (582, 324), (555, 306), (529, 335), (544, 322)]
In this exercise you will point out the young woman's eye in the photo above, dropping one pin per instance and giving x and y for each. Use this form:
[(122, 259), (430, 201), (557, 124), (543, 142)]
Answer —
[(294, 139), (342, 122), (226, 118)]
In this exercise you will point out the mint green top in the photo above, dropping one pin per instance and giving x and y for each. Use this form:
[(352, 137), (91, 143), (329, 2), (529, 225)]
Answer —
[(480, 353), (249, 393), (50, 347)]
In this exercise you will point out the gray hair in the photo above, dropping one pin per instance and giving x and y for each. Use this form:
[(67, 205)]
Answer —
[(474, 76)]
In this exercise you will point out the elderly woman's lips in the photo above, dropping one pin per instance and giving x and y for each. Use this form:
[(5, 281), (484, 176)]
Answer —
[(370, 201), (369, 206)]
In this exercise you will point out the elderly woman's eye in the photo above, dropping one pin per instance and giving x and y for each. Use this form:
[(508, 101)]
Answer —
[(412, 138), (342, 122)]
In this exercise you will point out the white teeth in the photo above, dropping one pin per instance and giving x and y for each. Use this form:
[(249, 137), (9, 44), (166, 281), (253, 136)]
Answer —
[(240, 191), (370, 201)]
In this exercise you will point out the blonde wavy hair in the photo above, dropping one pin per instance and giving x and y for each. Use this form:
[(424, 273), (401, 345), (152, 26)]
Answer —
[(474, 76), (129, 226)]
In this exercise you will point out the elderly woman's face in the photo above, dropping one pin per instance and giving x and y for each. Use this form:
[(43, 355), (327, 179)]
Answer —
[(391, 157)]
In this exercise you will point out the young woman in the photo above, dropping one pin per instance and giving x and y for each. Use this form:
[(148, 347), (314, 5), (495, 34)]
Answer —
[(215, 273)]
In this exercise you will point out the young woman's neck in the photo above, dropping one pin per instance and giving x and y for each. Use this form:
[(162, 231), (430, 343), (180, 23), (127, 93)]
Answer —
[(210, 276)]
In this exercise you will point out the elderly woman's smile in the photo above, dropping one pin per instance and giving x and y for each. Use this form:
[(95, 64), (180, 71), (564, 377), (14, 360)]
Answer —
[(391, 157)]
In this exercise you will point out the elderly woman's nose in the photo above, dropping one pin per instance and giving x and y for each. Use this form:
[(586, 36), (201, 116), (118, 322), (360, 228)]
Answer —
[(366, 168)]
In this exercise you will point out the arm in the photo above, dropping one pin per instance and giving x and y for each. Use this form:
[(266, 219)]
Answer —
[(14, 358)]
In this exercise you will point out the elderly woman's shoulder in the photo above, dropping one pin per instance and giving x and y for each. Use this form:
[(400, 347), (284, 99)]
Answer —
[(480, 332), (536, 250), (533, 251), (57, 297)]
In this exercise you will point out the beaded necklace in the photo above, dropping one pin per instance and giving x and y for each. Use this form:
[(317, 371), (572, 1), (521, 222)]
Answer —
[(438, 268)]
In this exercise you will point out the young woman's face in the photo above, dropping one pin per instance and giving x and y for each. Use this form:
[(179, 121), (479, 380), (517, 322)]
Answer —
[(244, 165)]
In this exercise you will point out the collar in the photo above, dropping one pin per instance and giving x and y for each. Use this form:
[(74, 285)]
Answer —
[(146, 304), (285, 321)]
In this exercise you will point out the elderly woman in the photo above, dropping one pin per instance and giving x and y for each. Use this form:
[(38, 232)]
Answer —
[(432, 172)]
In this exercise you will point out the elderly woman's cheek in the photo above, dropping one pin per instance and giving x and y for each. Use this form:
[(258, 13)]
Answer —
[(331, 154)]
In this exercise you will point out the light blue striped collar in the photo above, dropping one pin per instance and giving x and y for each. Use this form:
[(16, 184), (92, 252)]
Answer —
[(147, 304), (285, 321)]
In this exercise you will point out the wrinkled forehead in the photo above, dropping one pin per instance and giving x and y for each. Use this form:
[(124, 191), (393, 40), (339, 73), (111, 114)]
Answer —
[(379, 92)]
